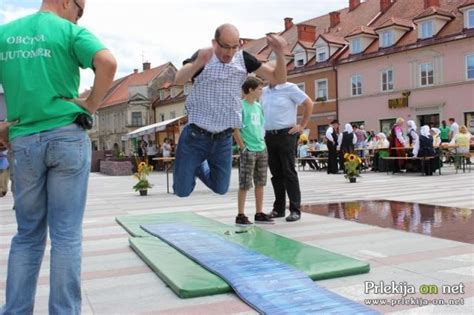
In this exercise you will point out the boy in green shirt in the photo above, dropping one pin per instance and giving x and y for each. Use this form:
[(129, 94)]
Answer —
[(253, 152)]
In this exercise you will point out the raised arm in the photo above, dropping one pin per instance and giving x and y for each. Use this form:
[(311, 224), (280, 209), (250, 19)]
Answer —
[(274, 73), (191, 68)]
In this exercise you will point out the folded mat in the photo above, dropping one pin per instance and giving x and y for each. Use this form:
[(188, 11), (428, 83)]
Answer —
[(188, 279)]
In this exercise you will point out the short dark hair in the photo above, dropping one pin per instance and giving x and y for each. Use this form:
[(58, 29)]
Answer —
[(251, 83), (335, 121), (451, 119)]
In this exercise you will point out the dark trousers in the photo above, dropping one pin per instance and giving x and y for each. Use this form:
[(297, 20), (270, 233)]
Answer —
[(332, 158), (281, 160)]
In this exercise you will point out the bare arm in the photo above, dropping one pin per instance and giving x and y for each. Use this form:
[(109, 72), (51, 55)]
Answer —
[(238, 139), (274, 74), (4, 131), (308, 109), (190, 69), (105, 66)]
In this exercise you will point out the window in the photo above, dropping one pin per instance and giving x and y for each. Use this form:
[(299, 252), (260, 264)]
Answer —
[(173, 92), (162, 94), (321, 87), (321, 54), (470, 18), (162, 117), (427, 29), (387, 39), (301, 86), (356, 85), (386, 125), (356, 46), (426, 74), (136, 119), (387, 80), (300, 59), (470, 67), (172, 114)]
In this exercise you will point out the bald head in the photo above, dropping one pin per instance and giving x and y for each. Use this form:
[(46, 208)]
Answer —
[(71, 10), (226, 30)]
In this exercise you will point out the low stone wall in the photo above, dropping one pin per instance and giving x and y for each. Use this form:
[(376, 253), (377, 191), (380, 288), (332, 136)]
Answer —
[(116, 168)]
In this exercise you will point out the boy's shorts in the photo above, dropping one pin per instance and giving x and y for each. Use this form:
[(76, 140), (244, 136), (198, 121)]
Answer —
[(253, 166)]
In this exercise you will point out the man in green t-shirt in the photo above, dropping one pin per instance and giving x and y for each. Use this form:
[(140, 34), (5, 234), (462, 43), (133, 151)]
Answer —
[(253, 152), (40, 57)]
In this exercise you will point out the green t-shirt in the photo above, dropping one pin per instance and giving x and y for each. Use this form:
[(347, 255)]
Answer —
[(444, 132), (252, 131), (40, 56)]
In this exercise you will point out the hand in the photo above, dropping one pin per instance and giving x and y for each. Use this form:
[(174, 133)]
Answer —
[(296, 129), (4, 125), (204, 55), (277, 43)]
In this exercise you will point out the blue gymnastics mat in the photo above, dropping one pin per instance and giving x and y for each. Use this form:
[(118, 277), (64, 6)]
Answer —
[(268, 285)]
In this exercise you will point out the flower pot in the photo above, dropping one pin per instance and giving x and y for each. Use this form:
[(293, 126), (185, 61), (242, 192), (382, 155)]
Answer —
[(143, 192), (352, 179)]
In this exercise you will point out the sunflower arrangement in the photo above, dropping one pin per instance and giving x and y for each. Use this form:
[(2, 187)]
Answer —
[(143, 170), (351, 164)]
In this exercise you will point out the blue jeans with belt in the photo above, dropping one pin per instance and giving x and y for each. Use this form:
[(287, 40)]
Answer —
[(51, 176), (203, 155)]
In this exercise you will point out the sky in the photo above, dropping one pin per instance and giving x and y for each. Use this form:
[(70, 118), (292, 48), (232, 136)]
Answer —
[(159, 31)]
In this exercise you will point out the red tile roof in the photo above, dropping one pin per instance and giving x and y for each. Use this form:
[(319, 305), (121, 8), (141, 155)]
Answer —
[(466, 4), (362, 30), (393, 21), (118, 93), (434, 11), (407, 10), (334, 39)]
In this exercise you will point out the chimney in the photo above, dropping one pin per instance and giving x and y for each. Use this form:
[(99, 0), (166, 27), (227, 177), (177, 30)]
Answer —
[(288, 23), (146, 66), (353, 4), (135, 71), (334, 18), (306, 32), (431, 3), (385, 5)]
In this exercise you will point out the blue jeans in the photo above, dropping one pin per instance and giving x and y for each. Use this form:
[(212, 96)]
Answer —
[(198, 155), (51, 176)]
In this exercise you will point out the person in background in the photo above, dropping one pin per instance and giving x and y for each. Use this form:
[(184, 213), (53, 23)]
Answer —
[(361, 136), (4, 169), (412, 166), (51, 148), (423, 147), (397, 145), (346, 141), (253, 152), (462, 141), (435, 133), (166, 148), (444, 132), (331, 142), (151, 153), (453, 128), (304, 154)]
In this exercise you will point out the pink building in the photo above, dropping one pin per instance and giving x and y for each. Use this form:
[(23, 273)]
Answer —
[(416, 61)]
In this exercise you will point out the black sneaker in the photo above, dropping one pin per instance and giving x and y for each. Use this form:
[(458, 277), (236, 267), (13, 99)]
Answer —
[(263, 218), (241, 219)]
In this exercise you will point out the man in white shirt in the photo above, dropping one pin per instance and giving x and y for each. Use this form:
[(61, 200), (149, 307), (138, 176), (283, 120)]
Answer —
[(280, 105), (453, 128)]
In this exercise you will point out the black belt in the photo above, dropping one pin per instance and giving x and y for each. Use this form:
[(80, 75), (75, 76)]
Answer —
[(84, 120), (213, 135), (283, 131)]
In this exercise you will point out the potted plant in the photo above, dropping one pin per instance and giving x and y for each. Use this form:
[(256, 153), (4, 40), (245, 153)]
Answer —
[(351, 165), (143, 170)]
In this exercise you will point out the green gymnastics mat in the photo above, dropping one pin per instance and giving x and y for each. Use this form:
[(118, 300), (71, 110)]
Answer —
[(188, 279)]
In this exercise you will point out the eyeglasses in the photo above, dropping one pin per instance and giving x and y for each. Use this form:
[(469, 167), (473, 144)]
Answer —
[(80, 12), (227, 47)]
